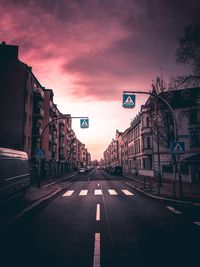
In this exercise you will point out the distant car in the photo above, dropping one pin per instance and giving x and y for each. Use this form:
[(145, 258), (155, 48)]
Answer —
[(81, 170), (98, 168)]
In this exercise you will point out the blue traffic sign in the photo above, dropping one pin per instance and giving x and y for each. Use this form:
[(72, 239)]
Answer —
[(178, 147), (128, 100), (84, 123), (39, 154)]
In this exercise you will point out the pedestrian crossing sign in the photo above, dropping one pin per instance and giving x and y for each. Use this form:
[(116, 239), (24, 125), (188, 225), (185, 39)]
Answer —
[(128, 100), (84, 123), (39, 154), (178, 147)]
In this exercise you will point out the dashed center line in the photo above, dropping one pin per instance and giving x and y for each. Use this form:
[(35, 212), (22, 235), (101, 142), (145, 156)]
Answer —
[(98, 192), (112, 192), (96, 261), (173, 210), (83, 193), (197, 223), (98, 212), (127, 193), (68, 193)]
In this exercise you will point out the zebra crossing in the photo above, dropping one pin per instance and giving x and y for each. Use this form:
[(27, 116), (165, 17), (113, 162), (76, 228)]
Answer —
[(98, 192)]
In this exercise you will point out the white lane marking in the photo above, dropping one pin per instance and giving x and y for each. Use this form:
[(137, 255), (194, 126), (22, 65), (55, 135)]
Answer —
[(197, 223), (127, 193), (83, 193), (98, 192), (112, 192), (96, 260), (98, 184), (173, 210), (98, 212), (68, 193)]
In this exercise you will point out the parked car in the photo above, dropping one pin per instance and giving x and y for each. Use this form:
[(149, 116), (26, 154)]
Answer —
[(14, 172), (117, 170), (81, 170)]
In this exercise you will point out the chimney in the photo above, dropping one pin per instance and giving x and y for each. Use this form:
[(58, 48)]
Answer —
[(8, 52)]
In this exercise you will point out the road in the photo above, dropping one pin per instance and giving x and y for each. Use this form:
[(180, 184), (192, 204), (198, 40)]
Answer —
[(99, 220)]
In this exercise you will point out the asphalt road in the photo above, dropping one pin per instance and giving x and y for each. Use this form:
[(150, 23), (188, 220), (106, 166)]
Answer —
[(99, 220)]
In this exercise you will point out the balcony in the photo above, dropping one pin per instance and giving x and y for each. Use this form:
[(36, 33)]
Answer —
[(61, 145), (55, 127), (51, 104), (146, 130), (37, 132), (55, 141), (62, 133), (38, 93), (38, 112), (62, 122), (147, 151), (55, 115)]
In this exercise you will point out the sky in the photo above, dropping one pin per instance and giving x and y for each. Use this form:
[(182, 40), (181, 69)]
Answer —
[(89, 51)]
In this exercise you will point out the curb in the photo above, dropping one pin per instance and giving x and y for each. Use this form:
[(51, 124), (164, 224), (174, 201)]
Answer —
[(60, 180), (164, 198)]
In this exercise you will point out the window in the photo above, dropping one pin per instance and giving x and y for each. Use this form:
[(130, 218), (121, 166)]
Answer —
[(26, 96), (24, 141), (147, 122), (30, 99), (193, 116), (29, 120), (195, 137), (25, 118), (148, 142), (29, 142)]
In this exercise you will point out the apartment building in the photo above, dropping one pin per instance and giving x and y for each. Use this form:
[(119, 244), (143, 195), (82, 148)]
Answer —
[(20, 96), (145, 145), (30, 120)]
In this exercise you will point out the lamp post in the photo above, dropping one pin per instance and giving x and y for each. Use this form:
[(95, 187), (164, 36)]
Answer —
[(85, 118), (175, 136)]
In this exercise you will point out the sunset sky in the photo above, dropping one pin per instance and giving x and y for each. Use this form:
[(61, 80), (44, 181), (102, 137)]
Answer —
[(89, 51)]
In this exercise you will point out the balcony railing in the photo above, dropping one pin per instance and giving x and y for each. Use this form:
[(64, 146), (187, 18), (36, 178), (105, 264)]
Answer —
[(55, 140), (62, 133), (39, 93), (38, 112), (37, 132), (62, 122)]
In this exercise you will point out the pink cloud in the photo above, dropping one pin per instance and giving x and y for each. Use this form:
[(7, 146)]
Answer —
[(101, 46)]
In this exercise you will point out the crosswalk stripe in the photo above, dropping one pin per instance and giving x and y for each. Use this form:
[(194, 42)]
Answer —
[(127, 193), (83, 193), (98, 192), (68, 193), (112, 192)]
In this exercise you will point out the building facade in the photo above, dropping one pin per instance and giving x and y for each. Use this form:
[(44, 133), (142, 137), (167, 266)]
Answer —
[(145, 147), (30, 120)]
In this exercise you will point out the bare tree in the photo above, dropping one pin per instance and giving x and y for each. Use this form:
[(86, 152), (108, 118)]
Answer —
[(188, 52)]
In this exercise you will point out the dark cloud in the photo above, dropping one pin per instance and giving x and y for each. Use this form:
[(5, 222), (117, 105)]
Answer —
[(102, 44)]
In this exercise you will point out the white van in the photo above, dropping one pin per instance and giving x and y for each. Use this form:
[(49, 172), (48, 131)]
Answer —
[(14, 172)]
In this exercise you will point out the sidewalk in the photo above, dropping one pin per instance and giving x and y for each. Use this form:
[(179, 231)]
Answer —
[(47, 187), (149, 186)]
